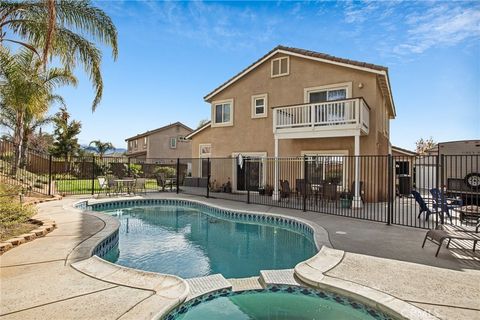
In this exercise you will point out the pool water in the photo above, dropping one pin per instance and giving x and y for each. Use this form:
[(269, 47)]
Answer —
[(281, 305), (187, 242)]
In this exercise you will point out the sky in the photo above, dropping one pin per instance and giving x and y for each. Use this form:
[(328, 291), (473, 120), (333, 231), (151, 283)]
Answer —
[(171, 54)]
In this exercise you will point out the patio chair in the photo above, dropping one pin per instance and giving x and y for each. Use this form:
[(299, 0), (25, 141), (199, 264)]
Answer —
[(450, 202), (103, 185), (285, 189), (444, 204), (423, 205), (163, 182), (437, 236), (139, 185)]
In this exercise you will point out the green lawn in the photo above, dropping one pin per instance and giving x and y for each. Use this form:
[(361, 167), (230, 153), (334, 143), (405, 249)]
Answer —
[(84, 186)]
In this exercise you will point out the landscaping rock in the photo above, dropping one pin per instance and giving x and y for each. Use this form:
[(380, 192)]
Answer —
[(5, 246), (39, 232), (16, 241), (28, 236)]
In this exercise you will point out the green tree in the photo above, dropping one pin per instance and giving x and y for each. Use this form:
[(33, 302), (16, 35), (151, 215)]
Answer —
[(101, 147), (27, 91), (65, 144), (32, 123), (202, 122), (64, 29), (423, 145)]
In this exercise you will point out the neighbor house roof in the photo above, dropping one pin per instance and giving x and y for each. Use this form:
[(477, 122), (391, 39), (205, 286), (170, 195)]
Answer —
[(369, 67), (205, 126), (147, 133), (404, 151)]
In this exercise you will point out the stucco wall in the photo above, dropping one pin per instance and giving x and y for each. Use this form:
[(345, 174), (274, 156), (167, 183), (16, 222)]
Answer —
[(256, 135), (158, 144)]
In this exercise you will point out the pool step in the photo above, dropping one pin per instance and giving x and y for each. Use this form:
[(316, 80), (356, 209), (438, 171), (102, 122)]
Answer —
[(246, 284), (273, 277), (202, 285)]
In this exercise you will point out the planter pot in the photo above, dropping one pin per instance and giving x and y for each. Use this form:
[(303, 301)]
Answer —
[(346, 203)]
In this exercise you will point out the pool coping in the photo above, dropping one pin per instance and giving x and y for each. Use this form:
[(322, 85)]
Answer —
[(309, 272), (312, 272)]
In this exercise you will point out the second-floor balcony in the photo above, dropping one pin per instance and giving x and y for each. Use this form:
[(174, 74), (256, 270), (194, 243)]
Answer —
[(339, 118)]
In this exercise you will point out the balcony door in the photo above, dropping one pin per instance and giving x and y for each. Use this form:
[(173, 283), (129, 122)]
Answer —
[(334, 112)]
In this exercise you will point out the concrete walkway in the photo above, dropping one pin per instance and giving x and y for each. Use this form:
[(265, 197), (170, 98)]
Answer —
[(37, 281)]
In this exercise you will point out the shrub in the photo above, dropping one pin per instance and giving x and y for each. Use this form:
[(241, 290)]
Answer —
[(12, 212), (165, 171)]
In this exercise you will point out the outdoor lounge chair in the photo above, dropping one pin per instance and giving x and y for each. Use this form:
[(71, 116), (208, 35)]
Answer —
[(450, 232)]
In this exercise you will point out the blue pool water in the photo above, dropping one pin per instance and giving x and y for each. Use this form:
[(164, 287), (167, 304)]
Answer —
[(188, 242), (277, 303)]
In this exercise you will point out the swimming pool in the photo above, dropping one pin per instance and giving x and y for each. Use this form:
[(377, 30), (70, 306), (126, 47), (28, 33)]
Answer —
[(277, 302), (191, 240)]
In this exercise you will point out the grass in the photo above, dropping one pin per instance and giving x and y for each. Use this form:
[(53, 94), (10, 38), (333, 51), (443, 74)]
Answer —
[(14, 217)]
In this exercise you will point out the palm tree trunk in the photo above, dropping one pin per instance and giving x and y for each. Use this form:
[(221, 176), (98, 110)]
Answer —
[(18, 141)]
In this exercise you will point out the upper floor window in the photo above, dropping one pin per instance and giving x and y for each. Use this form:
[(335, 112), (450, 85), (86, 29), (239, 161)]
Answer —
[(145, 142), (173, 143), (259, 106), (222, 113), (280, 66), (135, 143)]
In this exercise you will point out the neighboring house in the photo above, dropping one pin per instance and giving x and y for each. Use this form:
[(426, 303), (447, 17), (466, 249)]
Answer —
[(293, 102), (165, 142)]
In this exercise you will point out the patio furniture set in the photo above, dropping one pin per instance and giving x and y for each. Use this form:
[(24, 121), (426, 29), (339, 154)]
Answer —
[(440, 204), (128, 185)]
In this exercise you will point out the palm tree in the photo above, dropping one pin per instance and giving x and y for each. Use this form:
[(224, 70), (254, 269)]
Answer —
[(26, 91), (101, 147), (61, 28)]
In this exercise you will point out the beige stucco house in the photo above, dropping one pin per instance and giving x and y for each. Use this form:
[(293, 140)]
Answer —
[(165, 142), (291, 103)]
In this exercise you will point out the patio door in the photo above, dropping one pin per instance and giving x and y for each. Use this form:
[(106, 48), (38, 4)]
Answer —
[(254, 167)]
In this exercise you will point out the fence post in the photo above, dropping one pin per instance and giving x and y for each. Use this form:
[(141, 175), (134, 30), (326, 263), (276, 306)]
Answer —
[(442, 183), (389, 188), (305, 176), (93, 175), (208, 177), (247, 184), (437, 174), (50, 175), (178, 175)]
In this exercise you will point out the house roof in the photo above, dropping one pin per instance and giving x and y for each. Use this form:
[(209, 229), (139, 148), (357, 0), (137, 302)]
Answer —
[(147, 133), (205, 126), (369, 67), (404, 151)]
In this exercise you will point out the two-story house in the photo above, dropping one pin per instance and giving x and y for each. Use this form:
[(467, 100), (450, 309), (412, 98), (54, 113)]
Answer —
[(165, 142), (291, 103)]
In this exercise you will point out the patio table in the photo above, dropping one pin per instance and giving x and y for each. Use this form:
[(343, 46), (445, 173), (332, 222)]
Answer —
[(127, 183), (469, 214)]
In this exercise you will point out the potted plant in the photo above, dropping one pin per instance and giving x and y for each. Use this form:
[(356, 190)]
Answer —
[(261, 191), (346, 199), (268, 190)]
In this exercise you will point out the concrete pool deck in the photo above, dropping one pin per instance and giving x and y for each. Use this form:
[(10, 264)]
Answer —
[(38, 282)]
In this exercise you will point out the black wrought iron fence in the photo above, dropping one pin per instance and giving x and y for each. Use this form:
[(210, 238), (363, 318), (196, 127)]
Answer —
[(416, 191)]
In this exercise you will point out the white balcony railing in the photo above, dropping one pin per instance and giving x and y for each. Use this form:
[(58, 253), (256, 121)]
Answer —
[(331, 115)]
